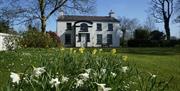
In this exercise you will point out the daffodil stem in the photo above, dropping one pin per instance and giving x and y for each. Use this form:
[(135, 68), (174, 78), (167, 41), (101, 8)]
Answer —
[(24, 75)]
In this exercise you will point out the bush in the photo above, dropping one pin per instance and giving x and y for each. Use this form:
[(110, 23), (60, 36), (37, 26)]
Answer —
[(157, 35), (152, 43), (141, 34), (35, 39), (56, 42)]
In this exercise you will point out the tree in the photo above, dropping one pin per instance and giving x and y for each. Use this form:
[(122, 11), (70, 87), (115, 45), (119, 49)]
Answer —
[(126, 24), (42, 10), (4, 27), (149, 24), (156, 35), (178, 11), (162, 11)]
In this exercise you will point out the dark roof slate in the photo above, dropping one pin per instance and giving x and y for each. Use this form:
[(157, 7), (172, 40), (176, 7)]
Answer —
[(87, 18)]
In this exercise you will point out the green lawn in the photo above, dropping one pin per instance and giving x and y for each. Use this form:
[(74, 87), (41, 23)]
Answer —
[(164, 62)]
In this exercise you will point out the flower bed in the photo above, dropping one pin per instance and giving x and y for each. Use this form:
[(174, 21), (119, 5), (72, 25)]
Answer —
[(82, 70)]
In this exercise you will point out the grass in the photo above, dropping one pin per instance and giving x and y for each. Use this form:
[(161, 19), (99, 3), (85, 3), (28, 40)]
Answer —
[(164, 62)]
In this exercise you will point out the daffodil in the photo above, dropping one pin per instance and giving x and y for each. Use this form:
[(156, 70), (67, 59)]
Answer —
[(94, 51), (113, 74), (64, 79), (38, 71), (81, 50), (62, 49), (101, 87), (84, 76), (124, 69), (54, 82), (88, 70), (153, 76), (113, 51), (79, 82), (71, 50), (74, 51), (124, 58), (103, 71), (15, 77), (100, 50)]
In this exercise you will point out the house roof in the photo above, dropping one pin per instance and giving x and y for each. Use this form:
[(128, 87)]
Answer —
[(87, 18)]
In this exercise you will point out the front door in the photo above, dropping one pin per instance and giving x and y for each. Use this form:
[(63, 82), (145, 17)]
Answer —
[(83, 40)]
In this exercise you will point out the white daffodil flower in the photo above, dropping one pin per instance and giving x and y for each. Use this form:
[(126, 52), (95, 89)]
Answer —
[(38, 71), (79, 82), (124, 69), (113, 74), (103, 71), (101, 87), (84, 76), (64, 79), (15, 77), (88, 70), (153, 76), (100, 50), (54, 82)]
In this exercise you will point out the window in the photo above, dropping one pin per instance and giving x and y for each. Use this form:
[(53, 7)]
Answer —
[(67, 38), (87, 37), (99, 38), (110, 27), (69, 26), (99, 27), (84, 27), (109, 38)]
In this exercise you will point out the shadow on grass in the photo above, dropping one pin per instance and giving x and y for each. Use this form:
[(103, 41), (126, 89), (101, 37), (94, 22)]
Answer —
[(152, 51)]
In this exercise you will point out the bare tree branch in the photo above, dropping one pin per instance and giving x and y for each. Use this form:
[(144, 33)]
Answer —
[(162, 11), (41, 10)]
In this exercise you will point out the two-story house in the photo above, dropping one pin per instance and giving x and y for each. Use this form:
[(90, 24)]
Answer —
[(88, 31)]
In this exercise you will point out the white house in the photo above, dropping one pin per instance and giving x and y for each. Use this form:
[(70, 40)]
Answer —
[(88, 31)]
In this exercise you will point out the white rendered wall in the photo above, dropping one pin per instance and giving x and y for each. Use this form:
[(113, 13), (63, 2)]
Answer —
[(61, 30), (2, 45)]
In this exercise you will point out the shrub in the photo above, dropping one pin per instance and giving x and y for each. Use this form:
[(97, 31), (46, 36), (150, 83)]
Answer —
[(157, 35), (141, 34), (152, 43), (56, 42), (35, 39)]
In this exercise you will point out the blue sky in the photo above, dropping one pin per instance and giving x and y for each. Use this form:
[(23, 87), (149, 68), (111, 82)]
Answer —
[(128, 8)]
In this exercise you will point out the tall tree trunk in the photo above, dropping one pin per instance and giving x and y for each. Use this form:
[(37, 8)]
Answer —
[(43, 17), (43, 24), (167, 29)]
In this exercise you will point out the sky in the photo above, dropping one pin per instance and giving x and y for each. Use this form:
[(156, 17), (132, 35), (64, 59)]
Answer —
[(127, 8)]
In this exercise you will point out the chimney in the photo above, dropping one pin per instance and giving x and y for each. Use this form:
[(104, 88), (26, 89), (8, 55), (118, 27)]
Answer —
[(112, 14), (62, 14)]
